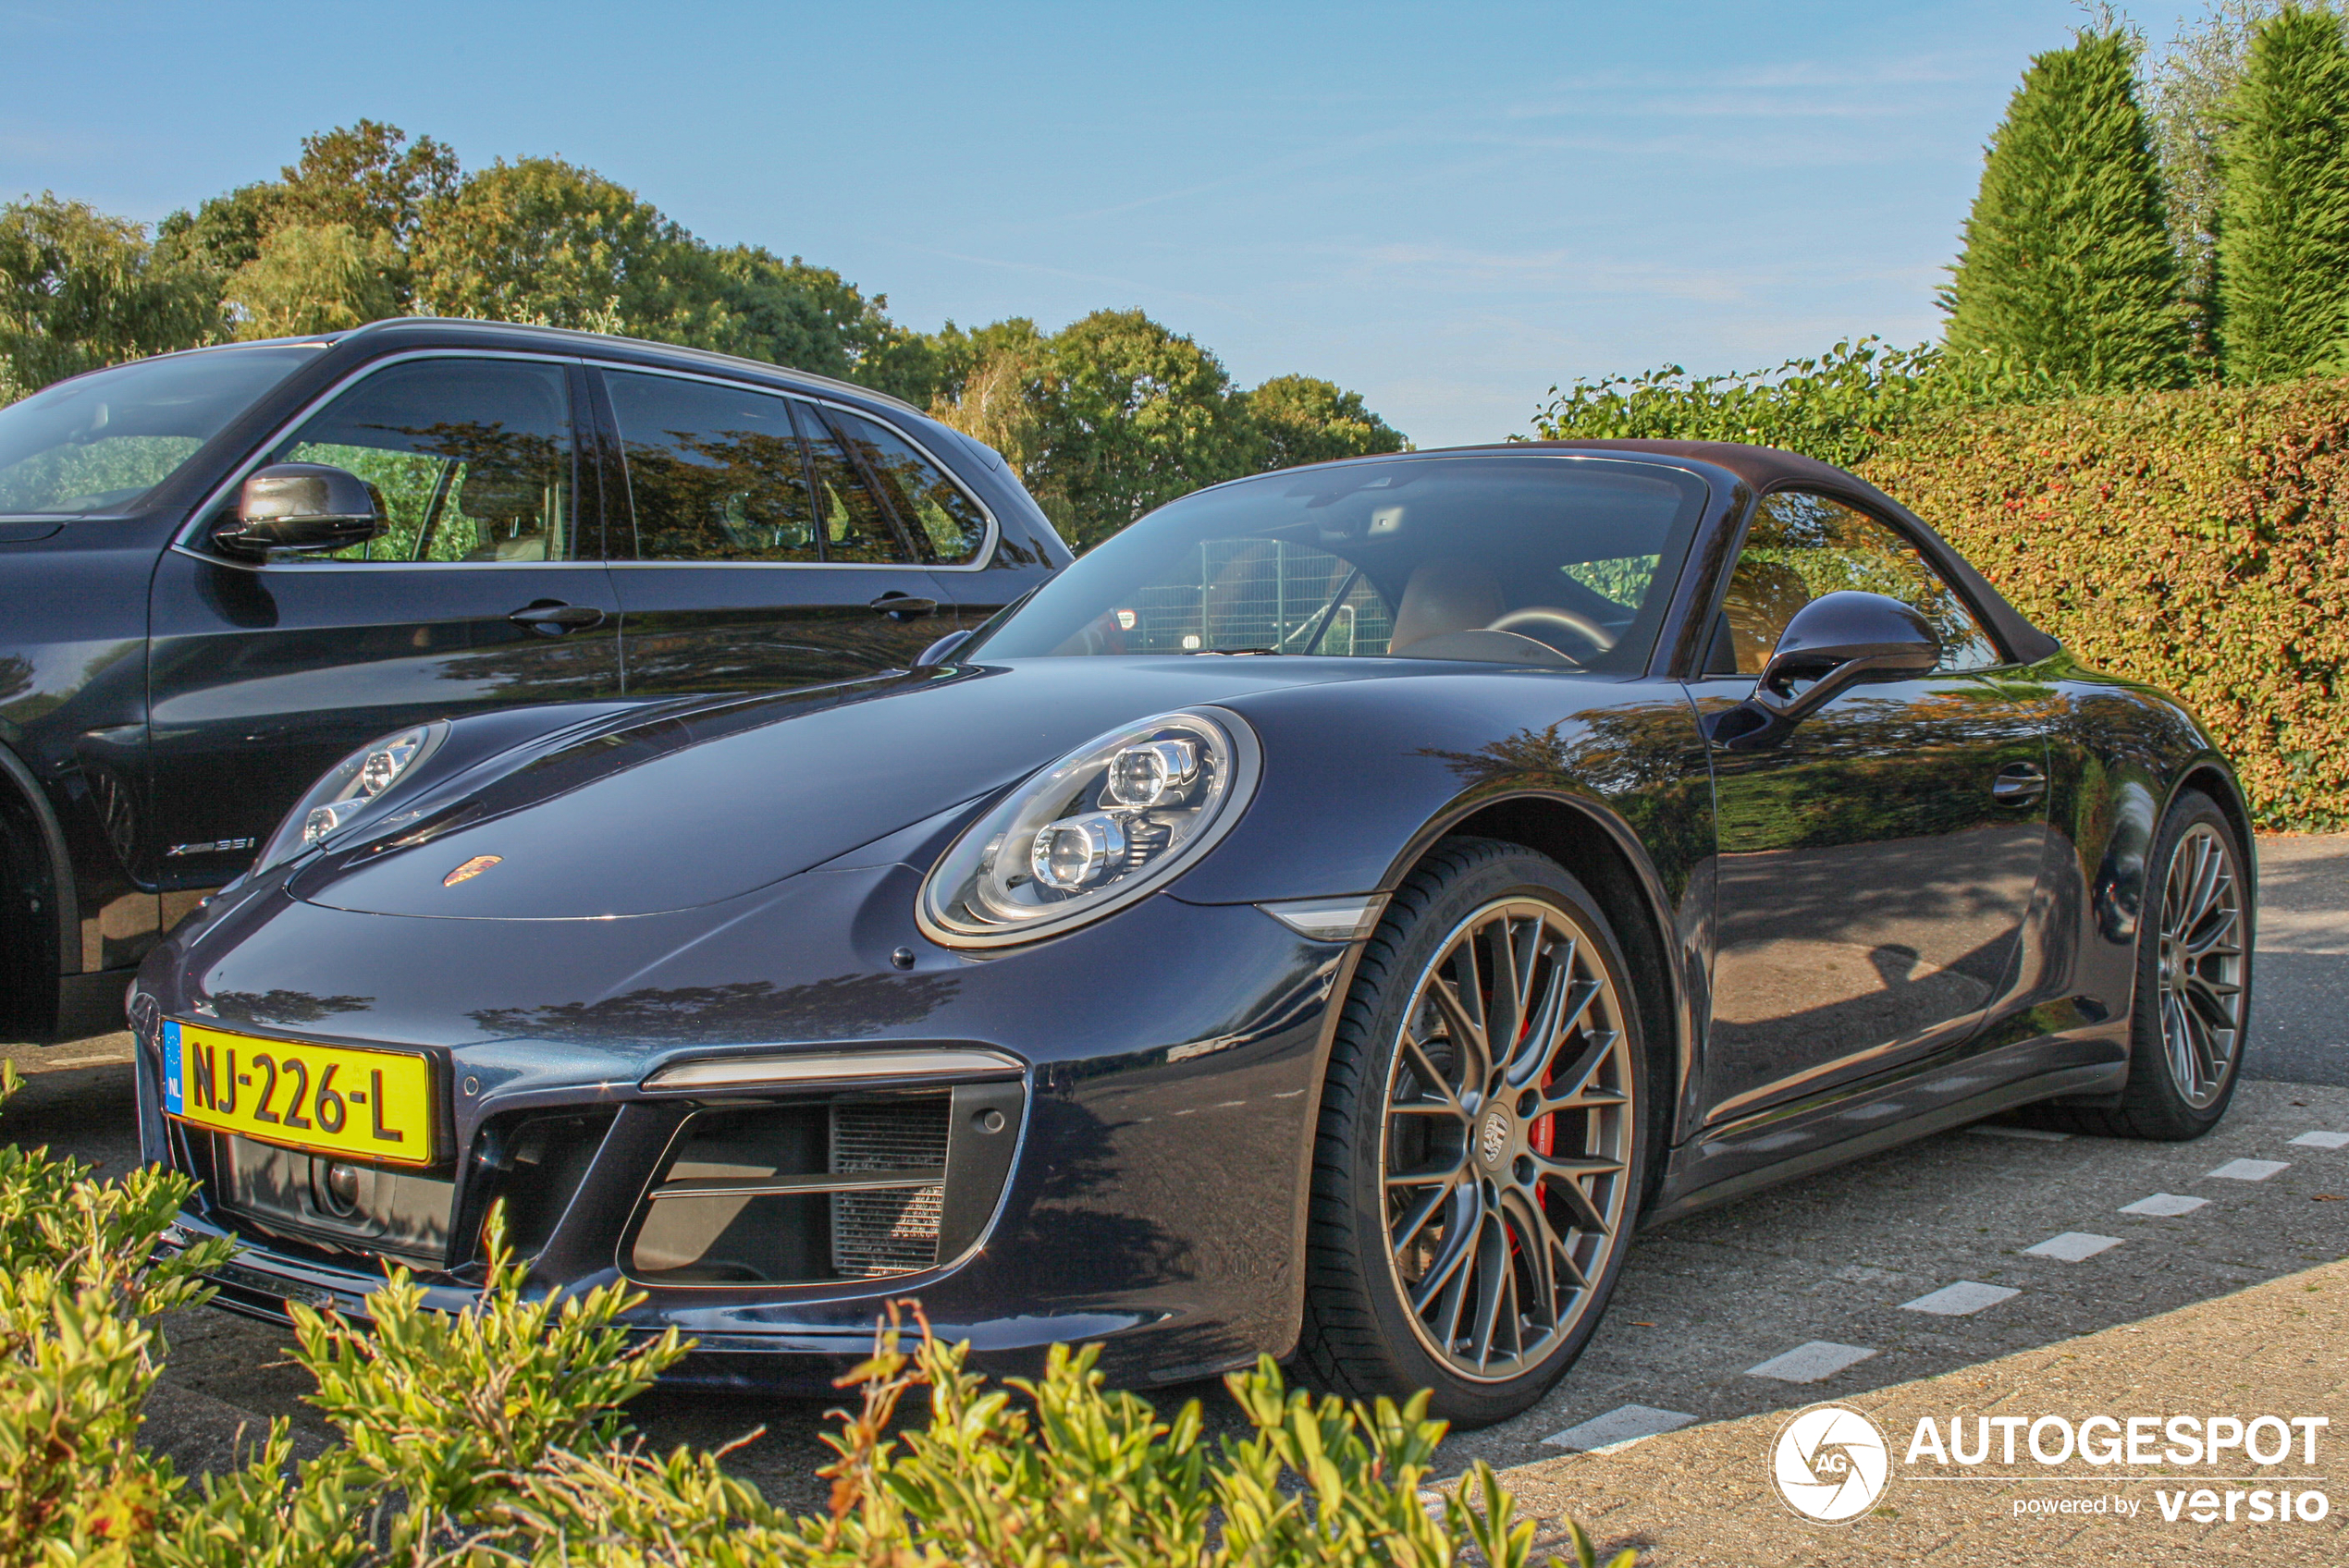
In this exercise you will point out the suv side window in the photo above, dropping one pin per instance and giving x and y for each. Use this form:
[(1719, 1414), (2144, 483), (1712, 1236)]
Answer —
[(715, 472), (947, 525), (472, 456), (856, 523), (1801, 546)]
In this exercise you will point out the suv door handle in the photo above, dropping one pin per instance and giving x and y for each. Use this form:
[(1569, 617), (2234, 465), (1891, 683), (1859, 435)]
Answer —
[(902, 606), (2018, 784), (552, 617)]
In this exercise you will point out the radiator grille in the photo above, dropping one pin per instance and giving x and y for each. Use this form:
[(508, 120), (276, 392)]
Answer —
[(894, 1231)]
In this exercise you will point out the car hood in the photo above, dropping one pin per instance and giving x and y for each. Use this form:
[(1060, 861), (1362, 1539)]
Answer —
[(691, 806)]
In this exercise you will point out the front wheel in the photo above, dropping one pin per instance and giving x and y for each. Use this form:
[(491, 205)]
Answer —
[(1482, 1140)]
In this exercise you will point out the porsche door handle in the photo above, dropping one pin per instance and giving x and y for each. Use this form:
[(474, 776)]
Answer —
[(552, 617), (2018, 784), (902, 606)]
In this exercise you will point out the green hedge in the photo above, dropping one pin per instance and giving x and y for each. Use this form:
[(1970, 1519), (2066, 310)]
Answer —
[(2195, 540), (495, 1439)]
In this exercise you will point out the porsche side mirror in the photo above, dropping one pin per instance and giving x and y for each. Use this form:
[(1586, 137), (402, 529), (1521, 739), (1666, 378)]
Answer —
[(1833, 642), (306, 507)]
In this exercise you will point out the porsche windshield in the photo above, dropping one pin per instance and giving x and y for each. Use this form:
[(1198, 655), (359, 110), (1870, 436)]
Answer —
[(1558, 561), (99, 442)]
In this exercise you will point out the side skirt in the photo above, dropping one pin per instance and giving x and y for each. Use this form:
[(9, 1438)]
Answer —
[(1708, 1172)]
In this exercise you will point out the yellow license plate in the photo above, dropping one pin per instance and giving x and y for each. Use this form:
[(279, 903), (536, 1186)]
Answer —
[(328, 1099)]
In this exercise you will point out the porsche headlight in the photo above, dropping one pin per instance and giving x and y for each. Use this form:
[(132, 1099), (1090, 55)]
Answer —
[(347, 790), (1106, 824)]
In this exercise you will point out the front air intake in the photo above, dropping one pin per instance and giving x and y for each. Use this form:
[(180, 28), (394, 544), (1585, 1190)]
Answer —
[(850, 1188), (888, 1230)]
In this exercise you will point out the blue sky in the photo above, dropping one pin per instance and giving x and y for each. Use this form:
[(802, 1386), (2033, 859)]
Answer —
[(1447, 208)]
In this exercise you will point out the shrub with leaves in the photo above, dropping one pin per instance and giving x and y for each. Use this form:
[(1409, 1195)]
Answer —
[(1839, 408), (496, 1437), (76, 1355), (2197, 540)]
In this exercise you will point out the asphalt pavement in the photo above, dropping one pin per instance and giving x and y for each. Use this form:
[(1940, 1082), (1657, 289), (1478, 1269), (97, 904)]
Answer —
[(1949, 1254)]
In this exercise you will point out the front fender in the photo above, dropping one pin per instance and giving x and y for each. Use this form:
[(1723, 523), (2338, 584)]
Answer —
[(1358, 779)]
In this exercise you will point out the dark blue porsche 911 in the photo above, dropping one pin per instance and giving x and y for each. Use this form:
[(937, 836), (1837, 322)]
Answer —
[(1325, 920)]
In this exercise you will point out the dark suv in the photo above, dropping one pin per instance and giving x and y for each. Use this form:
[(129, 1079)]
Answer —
[(222, 570)]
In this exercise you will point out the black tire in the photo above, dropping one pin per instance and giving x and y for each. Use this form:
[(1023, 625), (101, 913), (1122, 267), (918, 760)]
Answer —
[(2156, 1104), (27, 951), (1500, 1197)]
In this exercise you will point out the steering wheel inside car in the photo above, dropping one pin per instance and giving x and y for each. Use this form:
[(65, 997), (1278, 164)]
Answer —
[(1544, 622)]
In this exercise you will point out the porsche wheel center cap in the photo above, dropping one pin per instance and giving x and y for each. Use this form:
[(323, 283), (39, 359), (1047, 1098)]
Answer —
[(1492, 1142)]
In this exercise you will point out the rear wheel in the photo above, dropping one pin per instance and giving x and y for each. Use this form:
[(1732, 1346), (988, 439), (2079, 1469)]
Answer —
[(2193, 986), (1483, 1141)]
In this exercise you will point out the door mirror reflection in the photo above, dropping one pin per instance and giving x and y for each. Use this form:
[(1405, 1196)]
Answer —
[(303, 507), (1833, 642)]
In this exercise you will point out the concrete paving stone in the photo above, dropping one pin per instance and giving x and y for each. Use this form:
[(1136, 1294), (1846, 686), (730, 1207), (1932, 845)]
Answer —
[(2248, 1170), (1625, 1424), (1813, 1363), (2323, 1140), (1700, 1497), (2073, 1246), (1961, 1300), (2164, 1205), (2030, 1134)]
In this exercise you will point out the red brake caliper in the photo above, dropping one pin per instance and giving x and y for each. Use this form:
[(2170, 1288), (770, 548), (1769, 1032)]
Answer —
[(1542, 1135)]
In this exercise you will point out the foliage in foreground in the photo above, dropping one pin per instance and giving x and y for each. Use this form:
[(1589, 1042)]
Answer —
[(496, 1437)]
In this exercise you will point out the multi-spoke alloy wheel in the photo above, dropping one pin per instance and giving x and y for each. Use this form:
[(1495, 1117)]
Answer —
[(1507, 1128), (2200, 966), (2193, 987), (1483, 1144)]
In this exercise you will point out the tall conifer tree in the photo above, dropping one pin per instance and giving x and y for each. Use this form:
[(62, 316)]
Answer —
[(2067, 269), (2283, 228)]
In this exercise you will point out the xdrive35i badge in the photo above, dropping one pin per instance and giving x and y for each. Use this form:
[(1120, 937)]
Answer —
[(470, 870)]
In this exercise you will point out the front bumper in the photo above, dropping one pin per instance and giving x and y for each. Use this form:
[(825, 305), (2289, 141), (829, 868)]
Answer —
[(1155, 1148)]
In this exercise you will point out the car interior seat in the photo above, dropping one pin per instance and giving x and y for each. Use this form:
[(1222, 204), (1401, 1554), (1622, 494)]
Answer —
[(509, 505), (1445, 597), (1761, 597)]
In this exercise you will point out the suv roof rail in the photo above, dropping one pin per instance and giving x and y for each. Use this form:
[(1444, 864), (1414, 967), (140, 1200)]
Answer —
[(572, 335)]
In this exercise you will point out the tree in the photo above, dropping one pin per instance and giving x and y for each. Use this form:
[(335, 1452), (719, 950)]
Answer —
[(2187, 89), (1106, 419), (986, 382), (1114, 414), (366, 177), (1299, 419), (80, 289), (2067, 269), (543, 240), (314, 277), (2283, 234), (811, 318)]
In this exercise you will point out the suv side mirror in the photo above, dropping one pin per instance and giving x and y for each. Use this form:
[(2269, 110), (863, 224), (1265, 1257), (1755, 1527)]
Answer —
[(1835, 642), (308, 506)]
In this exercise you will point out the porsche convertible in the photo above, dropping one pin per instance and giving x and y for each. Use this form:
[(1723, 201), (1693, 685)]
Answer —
[(1325, 920)]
